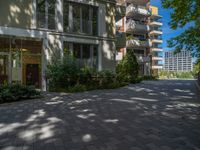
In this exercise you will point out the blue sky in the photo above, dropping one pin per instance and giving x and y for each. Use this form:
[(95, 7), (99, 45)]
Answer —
[(167, 32)]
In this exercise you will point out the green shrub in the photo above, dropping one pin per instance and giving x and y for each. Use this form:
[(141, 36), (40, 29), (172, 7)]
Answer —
[(17, 92), (127, 70), (174, 74), (63, 73), (77, 88), (149, 77)]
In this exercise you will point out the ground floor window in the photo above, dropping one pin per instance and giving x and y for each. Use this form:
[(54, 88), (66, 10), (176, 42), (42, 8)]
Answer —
[(20, 61), (85, 54)]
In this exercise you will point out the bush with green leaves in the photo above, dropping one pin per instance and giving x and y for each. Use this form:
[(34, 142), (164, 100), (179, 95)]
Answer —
[(63, 73), (128, 68), (17, 92), (175, 74)]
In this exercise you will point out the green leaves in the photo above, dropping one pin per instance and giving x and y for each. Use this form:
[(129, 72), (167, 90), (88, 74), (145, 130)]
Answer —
[(127, 69), (184, 13)]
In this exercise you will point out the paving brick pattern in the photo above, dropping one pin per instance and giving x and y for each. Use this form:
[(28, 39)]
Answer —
[(153, 115)]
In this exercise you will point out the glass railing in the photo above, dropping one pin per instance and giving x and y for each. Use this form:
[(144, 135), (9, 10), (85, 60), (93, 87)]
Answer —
[(156, 29), (138, 9), (157, 46), (156, 38), (156, 20)]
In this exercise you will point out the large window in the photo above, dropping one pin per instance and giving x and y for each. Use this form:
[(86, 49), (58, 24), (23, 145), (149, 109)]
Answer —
[(85, 54), (41, 18), (95, 21), (66, 16), (46, 14), (86, 19), (16, 58), (76, 18), (80, 18), (51, 14)]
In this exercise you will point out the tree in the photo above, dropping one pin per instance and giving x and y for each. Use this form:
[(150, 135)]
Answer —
[(128, 68), (185, 12)]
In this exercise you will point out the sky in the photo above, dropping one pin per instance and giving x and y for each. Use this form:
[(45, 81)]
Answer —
[(167, 32)]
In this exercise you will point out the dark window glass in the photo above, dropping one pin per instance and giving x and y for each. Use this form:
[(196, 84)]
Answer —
[(66, 16), (40, 13), (86, 24), (77, 51), (76, 18), (51, 14), (86, 51), (95, 21)]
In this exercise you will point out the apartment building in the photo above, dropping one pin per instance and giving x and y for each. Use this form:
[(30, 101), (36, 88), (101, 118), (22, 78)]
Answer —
[(35, 32), (178, 62), (156, 40), (139, 31)]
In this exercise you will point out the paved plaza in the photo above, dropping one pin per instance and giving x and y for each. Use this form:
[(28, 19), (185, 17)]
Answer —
[(152, 115)]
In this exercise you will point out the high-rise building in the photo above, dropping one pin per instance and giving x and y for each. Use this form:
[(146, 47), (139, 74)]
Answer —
[(156, 40), (181, 61), (139, 30), (34, 32)]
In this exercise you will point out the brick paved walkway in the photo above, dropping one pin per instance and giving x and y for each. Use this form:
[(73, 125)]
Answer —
[(153, 115)]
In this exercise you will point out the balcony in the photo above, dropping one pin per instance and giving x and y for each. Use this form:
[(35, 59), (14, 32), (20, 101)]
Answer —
[(156, 24), (157, 49), (136, 27), (137, 11), (142, 59), (131, 43), (157, 66), (157, 58), (138, 2), (157, 40), (156, 31)]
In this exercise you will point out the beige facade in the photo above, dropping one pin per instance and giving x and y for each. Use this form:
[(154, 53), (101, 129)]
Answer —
[(23, 19), (16, 13)]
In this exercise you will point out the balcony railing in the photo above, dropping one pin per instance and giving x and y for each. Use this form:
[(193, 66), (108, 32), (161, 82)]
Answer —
[(157, 46), (156, 20), (132, 25), (137, 43), (142, 59), (156, 38), (137, 9), (156, 29)]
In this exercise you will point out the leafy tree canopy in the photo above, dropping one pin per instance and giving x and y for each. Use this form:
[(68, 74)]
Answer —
[(185, 12)]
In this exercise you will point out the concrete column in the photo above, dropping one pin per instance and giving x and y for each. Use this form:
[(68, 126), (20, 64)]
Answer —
[(102, 20), (100, 55), (34, 18), (45, 59), (46, 14), (70, 17)]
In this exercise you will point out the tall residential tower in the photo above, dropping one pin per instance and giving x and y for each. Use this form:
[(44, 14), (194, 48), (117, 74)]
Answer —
[(140, 31)]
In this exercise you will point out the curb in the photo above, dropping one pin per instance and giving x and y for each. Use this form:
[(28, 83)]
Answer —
[(197, 85)]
